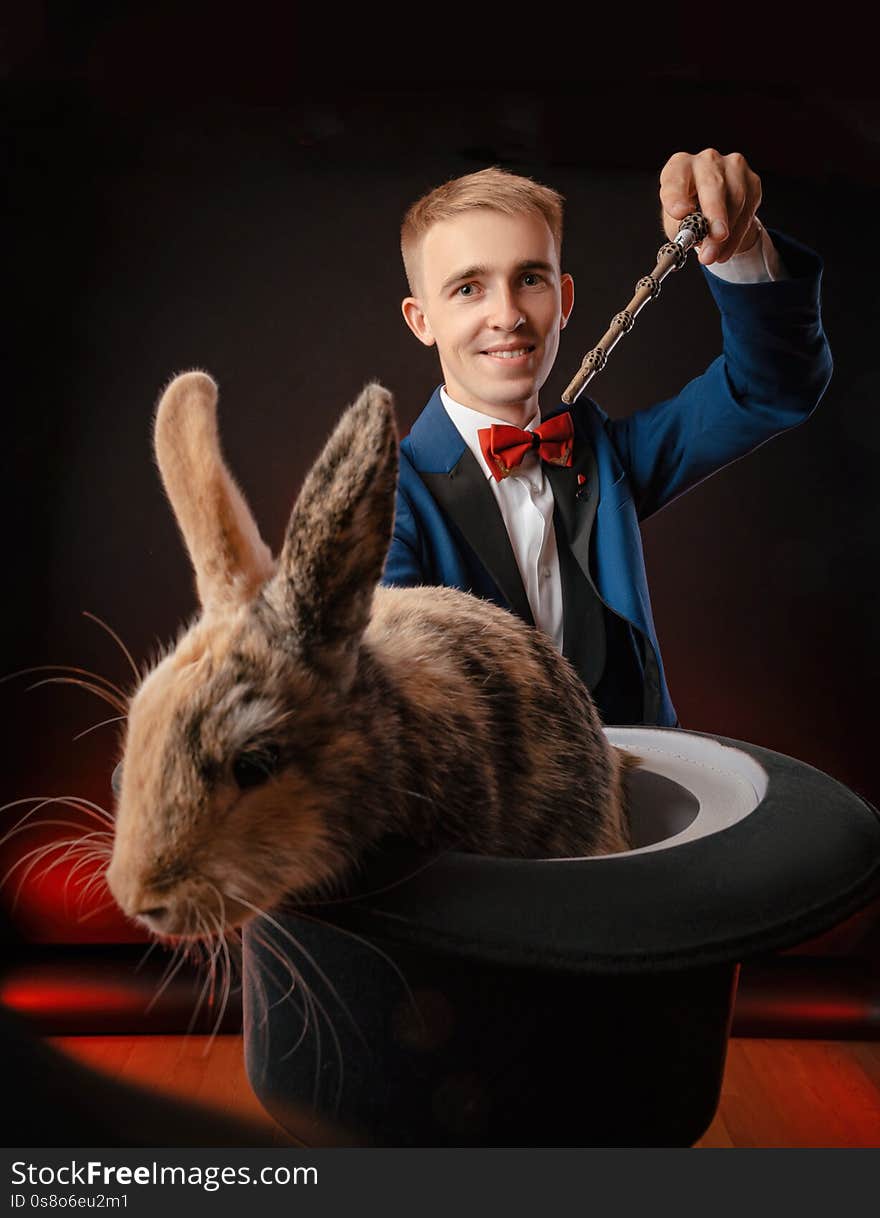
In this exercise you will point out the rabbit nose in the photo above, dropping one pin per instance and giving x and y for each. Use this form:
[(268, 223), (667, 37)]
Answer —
[(136, 899), (156, 917)]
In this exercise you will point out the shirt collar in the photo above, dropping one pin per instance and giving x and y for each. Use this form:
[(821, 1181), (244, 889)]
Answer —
[(469, 421)]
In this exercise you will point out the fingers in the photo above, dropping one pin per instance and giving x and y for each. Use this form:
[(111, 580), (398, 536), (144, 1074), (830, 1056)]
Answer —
[(743, 234), (724, 189), (678, 196), (744, 231)]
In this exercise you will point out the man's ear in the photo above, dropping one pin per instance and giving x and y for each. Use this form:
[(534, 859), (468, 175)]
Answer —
[(415, 317), (566, 284)]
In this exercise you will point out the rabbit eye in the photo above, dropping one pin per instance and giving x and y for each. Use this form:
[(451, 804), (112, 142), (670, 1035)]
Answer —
[(255, 767)]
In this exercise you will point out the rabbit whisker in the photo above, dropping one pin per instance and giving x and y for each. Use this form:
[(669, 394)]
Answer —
[(41, 824), (415, 794), (84, 804), (174, 948), (170, 973), (97, 853), (87, 858), (72, 844), (40, 852), (297, 981), (349, 934), (299, 947), (223, 946), (230, 969), (100, 875), (213, 945), (312, 1005), (84, 672), (97, 877), (226, 980), (253, 976), (65, 891), (146, 955), (95, 726), (395, 917), (114, 635), (233, 941), (36, 856), (86, 894), (205, 938), (87, 882), (71, 801), (374, 892), (97, 910), (297, 986), (260, 975), (261, 1000), (68, 801), (312, 1009), (94, 689)]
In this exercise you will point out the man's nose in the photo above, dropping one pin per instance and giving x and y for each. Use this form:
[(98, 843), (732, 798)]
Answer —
[(506, 314)]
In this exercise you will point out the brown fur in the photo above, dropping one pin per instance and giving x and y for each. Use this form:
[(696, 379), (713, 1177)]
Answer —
[(422, 712)]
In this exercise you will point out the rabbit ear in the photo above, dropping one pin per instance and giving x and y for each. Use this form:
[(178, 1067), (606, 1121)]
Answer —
[(338, 536), (230, 558)]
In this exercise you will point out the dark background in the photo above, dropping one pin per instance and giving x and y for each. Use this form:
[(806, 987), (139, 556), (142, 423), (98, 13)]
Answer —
[(185, 192)]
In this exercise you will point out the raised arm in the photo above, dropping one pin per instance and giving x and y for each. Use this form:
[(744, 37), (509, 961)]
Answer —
[(775, 362)]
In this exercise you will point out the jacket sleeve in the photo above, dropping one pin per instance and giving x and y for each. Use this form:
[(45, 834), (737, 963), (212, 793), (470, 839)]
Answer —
[(773, 370)]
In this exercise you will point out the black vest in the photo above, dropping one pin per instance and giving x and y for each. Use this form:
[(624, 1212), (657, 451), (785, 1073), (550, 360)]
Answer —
[(601, 646)]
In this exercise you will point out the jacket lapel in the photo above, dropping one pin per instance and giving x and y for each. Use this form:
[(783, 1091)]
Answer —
[(467, 499), (576, 503), (453, 476), (583, 638)]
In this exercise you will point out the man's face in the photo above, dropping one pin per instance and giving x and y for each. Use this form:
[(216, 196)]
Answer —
[(490, 282)]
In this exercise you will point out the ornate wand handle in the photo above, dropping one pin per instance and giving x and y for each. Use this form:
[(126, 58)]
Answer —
[(692, 230)]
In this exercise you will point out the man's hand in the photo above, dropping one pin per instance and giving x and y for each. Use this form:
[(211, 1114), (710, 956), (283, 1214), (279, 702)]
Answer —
[(726, 191)]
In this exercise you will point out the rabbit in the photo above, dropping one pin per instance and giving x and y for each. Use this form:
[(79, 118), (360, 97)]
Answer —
[(309, 711)]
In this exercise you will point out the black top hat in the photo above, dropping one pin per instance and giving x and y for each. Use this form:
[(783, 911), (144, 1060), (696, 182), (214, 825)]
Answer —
[(468, 1000)]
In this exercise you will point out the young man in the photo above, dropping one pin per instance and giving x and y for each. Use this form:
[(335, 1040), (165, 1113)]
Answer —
[(548, 527)]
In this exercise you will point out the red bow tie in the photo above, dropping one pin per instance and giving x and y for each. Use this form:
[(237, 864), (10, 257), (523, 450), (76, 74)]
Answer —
[(504, 446)]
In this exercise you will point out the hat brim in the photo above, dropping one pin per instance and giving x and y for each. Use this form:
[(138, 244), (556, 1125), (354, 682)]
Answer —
[(744, 864)]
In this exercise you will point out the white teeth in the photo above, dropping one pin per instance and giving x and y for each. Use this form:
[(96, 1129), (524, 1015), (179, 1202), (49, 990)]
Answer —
[(508, 354)]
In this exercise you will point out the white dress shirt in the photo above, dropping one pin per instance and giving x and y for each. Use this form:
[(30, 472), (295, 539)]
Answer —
[(525, 497)]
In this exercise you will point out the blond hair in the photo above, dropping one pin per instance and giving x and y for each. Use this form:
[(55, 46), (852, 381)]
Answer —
[(493, 188)]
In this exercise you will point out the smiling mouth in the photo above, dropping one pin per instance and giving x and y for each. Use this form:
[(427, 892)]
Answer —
[(518, 354)]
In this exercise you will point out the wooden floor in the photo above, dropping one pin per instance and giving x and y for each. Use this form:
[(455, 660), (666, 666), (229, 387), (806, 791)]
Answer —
[(776, 1093)]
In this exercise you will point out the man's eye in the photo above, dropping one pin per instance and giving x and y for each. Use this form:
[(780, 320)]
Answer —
[(466, 289), (532, 275)]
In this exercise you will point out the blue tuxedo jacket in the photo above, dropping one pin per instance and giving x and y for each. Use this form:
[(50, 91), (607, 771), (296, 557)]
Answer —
[(774, 367)]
